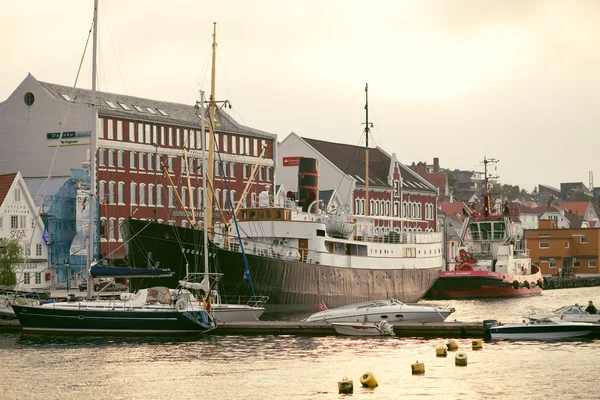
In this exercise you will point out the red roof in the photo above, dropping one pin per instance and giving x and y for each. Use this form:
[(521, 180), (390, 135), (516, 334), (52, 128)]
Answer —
[(455, 210), (5, 184), (576, 207)]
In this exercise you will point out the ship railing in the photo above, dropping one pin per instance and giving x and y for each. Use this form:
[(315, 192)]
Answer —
[(403, 238), (251, 301)]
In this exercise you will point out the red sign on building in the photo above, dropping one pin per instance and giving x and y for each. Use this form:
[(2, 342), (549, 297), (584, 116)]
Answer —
[(291, 161)]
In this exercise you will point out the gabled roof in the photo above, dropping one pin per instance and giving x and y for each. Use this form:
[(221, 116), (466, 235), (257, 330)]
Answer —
[(574, 220), (6, 182), (350, 159), (576, 207), (176, 114), (455, 210)]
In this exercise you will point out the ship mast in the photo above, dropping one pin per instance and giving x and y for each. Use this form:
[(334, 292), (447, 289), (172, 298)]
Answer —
[(93, 138), (368, 127), (208, 207), (487, 198)]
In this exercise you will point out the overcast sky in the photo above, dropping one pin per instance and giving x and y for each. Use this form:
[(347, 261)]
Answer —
[(514, 80)]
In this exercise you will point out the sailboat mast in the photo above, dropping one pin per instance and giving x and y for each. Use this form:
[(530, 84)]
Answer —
[(211, 151), (93, 136), (367, 130), (204, 194)]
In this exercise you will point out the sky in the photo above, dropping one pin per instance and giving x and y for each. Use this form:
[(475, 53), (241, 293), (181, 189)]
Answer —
[(515, 80)]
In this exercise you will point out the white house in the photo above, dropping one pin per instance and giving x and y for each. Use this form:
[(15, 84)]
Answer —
[(19, 219)]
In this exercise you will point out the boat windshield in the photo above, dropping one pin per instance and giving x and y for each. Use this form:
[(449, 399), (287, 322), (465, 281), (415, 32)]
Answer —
[(159, 294), (569, 310)]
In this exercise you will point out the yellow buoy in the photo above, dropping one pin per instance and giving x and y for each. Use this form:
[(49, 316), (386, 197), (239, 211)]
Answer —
[(461, 359), (441, 351), (368, 380), (345, 386), (452, 345), (418, 368), (477, 344)]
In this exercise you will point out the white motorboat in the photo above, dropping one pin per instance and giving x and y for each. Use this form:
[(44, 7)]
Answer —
[(364, 329), (542, 329), (567, 313), (374, 311)]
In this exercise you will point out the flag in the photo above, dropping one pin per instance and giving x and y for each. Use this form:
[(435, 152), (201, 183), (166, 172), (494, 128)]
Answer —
[(322, 306), (207, 303), (83, 206)]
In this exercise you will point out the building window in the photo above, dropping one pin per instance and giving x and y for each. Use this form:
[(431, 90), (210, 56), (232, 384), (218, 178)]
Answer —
[(242, 148), (111, 229), (120, 157), (131, 132), (583, 239), (184, 196), (109, 129), (100, 128), (159, 200), (247, 146), (38, 278), (154, 134), (101, 157), (142, 194), (140, 132), (27, 278), (14, 222), (29, 99), (121, 222), (170, 136), (261, 173), (170, 162), (150, 194), (102, 191), (255, 149), (162, 136), (111, 192), (121, 193), (234, 144), (178, 137), (566, 245), (141, 160), (592, 264), (170, 195), (245, 170), (111, 158), (151, 162), (38, 250), (396, 209), (148, 133), (217, 198), (231, 169), (132, 194), (544, 245), (192, 139), (264, 146), (132, 158), (225, 144), (199, 200), (198, 139), (1, 222)]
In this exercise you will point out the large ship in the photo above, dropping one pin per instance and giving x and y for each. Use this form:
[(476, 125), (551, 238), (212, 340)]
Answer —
[(293, 251), (495, 263)]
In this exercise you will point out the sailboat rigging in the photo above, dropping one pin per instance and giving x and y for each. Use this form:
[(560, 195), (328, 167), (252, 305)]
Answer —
[(151, 311)]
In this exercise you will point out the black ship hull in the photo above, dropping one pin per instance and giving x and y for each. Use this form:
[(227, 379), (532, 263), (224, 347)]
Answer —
[(73, 321), (290, 285)]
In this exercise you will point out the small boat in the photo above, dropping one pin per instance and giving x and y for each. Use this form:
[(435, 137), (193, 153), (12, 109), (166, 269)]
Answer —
[(541, 329), (391, 310), (364, 329), (569, 313)]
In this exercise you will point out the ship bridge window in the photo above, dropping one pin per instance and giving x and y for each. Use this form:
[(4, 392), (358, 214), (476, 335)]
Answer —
[(277, 214), (486, 230), (320, 232), (499, 229), (474, 231)]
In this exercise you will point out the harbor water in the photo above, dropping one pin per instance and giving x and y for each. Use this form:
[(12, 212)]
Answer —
[(302, 367)]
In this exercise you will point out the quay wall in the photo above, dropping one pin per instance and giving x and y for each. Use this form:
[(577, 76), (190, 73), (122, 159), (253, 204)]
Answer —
[(570, 282)]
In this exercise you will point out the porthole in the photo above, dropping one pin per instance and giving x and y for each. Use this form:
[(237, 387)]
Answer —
[(384, 317), (29, 98)]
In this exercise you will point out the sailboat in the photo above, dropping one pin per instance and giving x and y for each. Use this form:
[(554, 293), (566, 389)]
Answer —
[(152, 311), (299, 255)]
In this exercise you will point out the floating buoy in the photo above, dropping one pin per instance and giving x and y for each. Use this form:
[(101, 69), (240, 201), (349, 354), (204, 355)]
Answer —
[(441, 351), (368, 380), (540, 283), (515, 284), (461, 359), (452, 345), (418, 368), (477, 344), (527, 285), (345, 386)]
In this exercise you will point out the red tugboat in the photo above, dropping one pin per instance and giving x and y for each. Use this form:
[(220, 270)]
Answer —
[(496, 265)]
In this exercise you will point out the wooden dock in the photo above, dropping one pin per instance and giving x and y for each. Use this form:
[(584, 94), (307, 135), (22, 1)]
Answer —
[(402, 329)]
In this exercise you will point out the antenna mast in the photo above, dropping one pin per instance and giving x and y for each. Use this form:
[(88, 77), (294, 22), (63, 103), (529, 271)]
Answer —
[(487, 198)]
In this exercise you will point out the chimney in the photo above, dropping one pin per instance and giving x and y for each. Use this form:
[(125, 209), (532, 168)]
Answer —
[(436, 164)]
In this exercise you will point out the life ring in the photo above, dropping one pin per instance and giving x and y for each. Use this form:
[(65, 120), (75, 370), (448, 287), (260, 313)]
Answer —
[(181, 304), (466, 267), (527, 285), (540, 283), (515, 284)]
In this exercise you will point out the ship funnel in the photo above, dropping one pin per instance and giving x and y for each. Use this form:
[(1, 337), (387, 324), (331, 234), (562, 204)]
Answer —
[(308, 183)]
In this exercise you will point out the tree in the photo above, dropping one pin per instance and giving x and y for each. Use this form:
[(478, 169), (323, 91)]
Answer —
[(579, 195), (10, 253), (510, 192)]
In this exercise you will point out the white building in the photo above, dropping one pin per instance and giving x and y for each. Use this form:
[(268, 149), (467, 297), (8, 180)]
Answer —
[(19, 219)]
